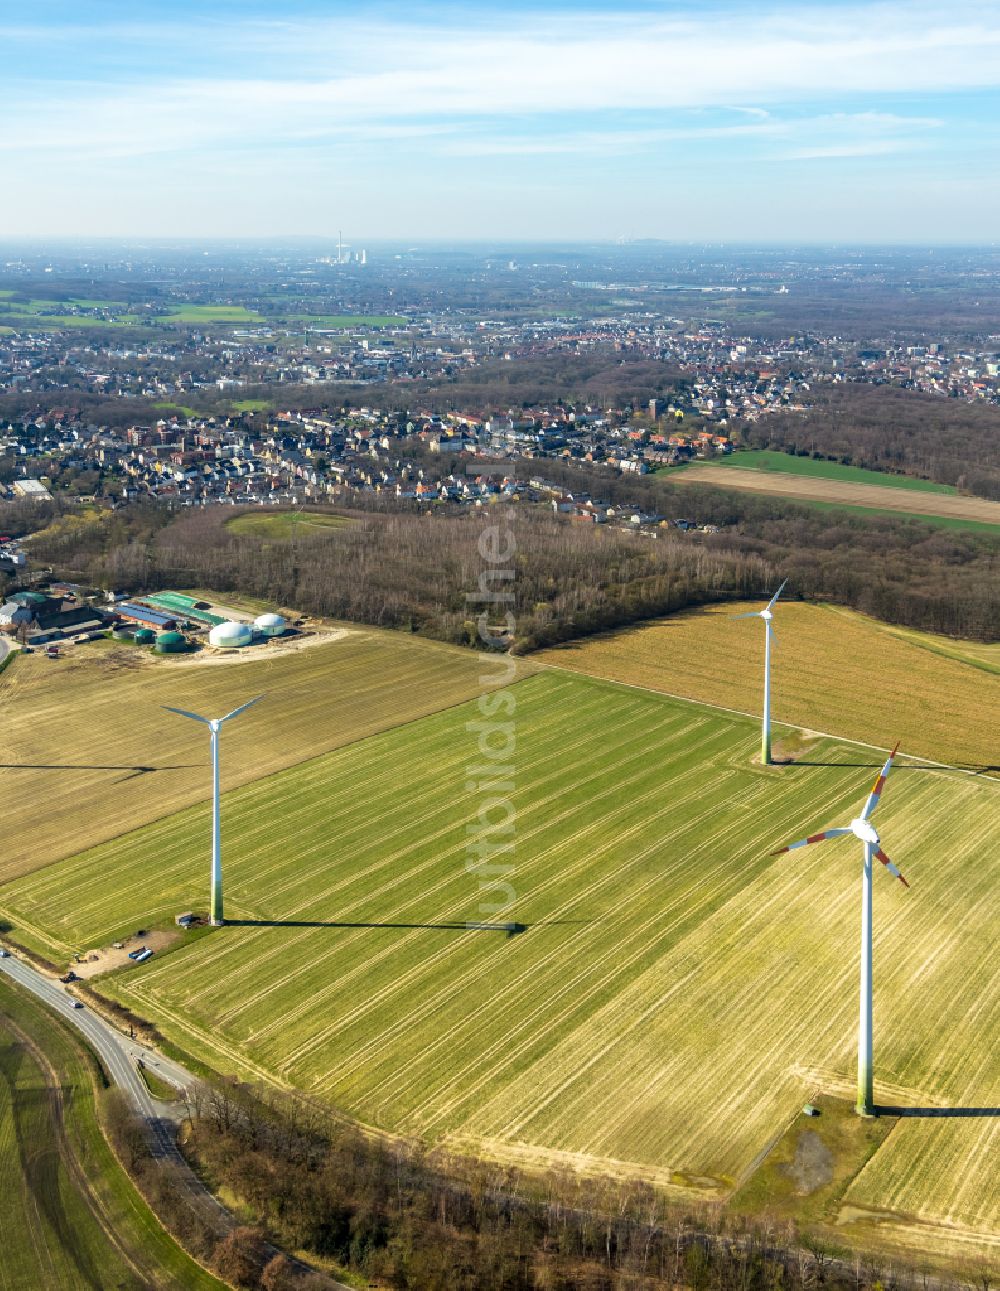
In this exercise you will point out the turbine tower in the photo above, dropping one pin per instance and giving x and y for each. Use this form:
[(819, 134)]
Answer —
[(214, 724), (767, 615), (862, 828)]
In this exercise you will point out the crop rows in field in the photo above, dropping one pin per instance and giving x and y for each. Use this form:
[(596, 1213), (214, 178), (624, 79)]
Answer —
[(676, 994), (876, 497), (773, 461), (89, 753), (832, 670)]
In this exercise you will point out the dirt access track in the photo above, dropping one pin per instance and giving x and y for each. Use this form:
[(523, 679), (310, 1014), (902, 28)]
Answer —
[(879, 498)]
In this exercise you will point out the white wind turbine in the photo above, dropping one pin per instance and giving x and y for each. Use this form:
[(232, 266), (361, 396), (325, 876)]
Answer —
[(863, 829), (214, 724), (767, 615)]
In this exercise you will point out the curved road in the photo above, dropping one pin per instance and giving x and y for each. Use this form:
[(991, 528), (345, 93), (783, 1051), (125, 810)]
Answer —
[(119, 1055)]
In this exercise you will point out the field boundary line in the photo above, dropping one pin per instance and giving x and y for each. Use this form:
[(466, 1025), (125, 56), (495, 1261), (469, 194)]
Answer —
[(312, 757), (792, 726)]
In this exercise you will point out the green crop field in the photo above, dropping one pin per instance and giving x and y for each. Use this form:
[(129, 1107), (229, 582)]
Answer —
[(70, 1217), (670, 994), (766, 459), (88, 751), (884, 497), (185, 409), (253, 405), (936, 521), (212, 314), (54, 322), (283, 525)]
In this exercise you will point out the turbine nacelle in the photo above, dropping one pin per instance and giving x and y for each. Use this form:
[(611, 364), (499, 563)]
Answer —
[(766, 615), (861, 827), (864, 830)]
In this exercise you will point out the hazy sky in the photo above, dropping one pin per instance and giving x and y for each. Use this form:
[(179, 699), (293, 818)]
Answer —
[(741, 121)]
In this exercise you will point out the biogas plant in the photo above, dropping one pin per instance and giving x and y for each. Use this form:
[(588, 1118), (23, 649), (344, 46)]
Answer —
[(235, 635), (172, 622)]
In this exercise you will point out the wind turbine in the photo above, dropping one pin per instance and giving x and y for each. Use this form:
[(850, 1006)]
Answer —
[(863, 829), (214, 724), (767, 615)]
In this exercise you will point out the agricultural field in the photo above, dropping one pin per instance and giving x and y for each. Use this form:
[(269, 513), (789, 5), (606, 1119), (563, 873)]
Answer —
[(211, 314), (787, 464), (88, 752), (70, 1217), (833, 670), (662, 996), (935, 521), (252, 405), (835, 491), (184, 409), (284, 525)]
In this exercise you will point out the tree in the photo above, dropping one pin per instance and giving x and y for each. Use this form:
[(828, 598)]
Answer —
[(240, 1257), (278, 1274)]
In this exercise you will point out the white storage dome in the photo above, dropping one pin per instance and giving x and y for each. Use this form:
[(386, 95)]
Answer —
[(269, 625), (230, 636)]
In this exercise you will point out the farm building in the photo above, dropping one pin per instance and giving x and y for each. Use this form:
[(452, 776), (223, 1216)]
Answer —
[(230, 636), (44, 618), (144, 616), (182, 606)]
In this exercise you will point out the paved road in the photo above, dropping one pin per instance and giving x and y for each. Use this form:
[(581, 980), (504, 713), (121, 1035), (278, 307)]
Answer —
[(119, 1055)]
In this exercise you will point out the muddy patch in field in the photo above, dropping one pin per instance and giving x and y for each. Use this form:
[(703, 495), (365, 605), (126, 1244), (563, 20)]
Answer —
[(812, 1165)]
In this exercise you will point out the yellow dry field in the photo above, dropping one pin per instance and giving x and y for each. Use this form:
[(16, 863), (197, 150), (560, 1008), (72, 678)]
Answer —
[(87, 752), (756, 1009), (942, 1175), (832, 671), (814, 489)]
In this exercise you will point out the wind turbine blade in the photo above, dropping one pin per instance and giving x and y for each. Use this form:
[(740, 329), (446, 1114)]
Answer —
[(813, 838), (893, 870), (878, 786), (754, 614), (771, 633), (770, 604), (242, 709), (194, 716)]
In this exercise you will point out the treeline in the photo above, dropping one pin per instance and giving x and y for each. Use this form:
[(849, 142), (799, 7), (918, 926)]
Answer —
[(402, 1217), (238, 1253), (885, 428), (418, 572), (902, 571), (602, 377)]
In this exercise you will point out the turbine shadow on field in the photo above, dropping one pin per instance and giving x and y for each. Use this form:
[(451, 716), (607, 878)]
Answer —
[(90, 766), (937, 1111), (511, 929), (871, 766)]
